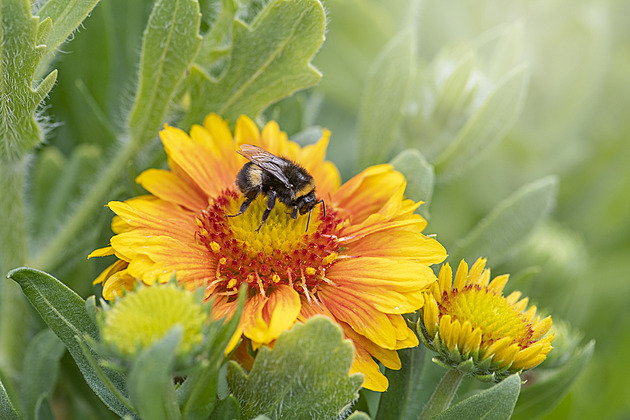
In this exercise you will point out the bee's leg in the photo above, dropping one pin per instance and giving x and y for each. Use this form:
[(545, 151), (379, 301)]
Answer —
[(271, 202), (245, 205)]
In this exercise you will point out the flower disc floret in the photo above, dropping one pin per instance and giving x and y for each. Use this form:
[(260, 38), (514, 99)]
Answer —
[(474, 328), (145, 315)]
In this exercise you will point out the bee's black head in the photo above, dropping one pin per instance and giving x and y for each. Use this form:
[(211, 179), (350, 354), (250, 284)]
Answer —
[(306, 202)]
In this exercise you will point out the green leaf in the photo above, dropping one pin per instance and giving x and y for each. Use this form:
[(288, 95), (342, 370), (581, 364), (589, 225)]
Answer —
[(227, 409), (419, 175), (496, 403), (64, 312), (551, 385), (268, 61), (400, 401), (20, 53), (48, 169), (359, 415), (41, 368), (487, 126), (195, 394), (509, 223), (7, 412), (76, 171), (43, 411), (216, 43), (305, 375), (66, 16), (384, 97), (150, 382), (170, 43)]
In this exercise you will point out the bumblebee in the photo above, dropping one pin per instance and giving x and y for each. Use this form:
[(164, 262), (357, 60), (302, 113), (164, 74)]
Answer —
[(278, 179)]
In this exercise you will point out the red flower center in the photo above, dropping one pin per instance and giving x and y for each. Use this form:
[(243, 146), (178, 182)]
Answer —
[(282, 252)]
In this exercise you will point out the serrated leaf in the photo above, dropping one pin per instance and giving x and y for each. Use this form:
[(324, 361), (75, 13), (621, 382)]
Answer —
[(268, 61), (7, 411), (496, 403), (551, 386), (150, 383), (509, 223), (169, 45), (400, 401), (487, 126), (305, 375), (384, 97), (227, 409), (41, 368), (64, 312), (419, 175), (66, 16), (20, 55)]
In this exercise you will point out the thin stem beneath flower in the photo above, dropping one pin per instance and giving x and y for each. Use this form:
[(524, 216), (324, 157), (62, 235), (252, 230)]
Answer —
[(443, 394), (85, 211), (13, 253)]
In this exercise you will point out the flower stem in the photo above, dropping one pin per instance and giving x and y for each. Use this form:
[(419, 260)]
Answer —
[(85, 211), (13, 253), (443, 394)]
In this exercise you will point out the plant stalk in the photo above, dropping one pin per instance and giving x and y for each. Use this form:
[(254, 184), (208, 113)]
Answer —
[(13, 253), (443, 394)]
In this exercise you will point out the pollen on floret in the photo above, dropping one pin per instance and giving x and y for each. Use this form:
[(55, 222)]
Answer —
[(280, 252)]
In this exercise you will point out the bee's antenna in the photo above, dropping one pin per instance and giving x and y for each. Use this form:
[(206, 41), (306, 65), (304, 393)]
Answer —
[(309, 212)]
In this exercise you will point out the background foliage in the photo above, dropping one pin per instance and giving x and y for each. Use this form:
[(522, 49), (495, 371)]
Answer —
[(509, 119)]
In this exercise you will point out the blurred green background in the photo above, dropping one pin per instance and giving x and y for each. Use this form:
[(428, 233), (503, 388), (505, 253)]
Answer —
[(571, 121)]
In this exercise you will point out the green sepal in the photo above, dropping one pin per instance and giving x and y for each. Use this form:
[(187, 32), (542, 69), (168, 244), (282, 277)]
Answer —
[(419, 175), (496, 403), (41, 368), (550, 386), (19, 130), (7, 411), (197, 394), (305, 375), (384, 98), (169, 45), (64, 312), (150, 381), (509, 223), (268, 61)]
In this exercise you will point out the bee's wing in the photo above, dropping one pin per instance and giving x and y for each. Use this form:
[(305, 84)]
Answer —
[(267, 161)]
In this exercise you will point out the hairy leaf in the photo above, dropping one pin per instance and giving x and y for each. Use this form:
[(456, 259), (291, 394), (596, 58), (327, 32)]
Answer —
[(7, 411), (268, 61), (64, 312), (66, 16), (170, 43), (305, 375), (496, 403), (419, 175), (150, 382)]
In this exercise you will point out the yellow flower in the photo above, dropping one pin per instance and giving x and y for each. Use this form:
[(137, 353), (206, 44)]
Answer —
[(144, 316), (364, 264), (475, 329)]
